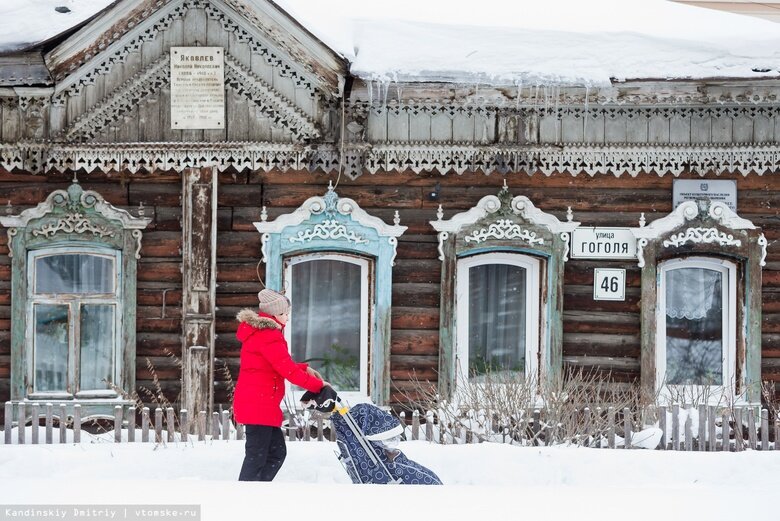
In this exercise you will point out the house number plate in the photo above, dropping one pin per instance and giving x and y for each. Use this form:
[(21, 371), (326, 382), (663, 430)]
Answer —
[(609, 284)]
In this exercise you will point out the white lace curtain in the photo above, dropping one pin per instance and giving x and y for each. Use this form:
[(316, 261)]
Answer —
[(497, 317), (692, 292), (326, 319)]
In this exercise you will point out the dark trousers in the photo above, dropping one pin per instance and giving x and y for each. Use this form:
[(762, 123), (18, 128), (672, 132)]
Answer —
[(264, 453)]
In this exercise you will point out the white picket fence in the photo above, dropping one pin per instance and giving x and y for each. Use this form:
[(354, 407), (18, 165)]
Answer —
[(712, 426)]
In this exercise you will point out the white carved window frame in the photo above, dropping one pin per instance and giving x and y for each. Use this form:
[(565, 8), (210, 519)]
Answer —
[(366, 268), (716, 394), (511, 225), (532, 301)]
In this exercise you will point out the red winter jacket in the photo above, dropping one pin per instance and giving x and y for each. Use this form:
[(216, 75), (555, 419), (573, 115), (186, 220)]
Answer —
[(265, 364)]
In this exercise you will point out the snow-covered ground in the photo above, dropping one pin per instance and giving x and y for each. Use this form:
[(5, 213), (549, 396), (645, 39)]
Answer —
[(482, 481)]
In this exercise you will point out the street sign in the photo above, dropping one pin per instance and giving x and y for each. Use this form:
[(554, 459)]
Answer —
[(609, 284), (603, 243)]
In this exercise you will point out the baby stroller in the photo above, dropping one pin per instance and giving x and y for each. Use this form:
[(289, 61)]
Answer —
[(366, 437)]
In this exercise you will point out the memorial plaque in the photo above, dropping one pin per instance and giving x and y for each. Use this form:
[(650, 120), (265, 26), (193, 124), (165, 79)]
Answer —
[(723, 190), (197, 88)]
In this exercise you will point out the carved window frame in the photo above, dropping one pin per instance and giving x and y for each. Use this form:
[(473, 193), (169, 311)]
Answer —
[(74, 221), (504, 224), (333, 224), (708, 229)]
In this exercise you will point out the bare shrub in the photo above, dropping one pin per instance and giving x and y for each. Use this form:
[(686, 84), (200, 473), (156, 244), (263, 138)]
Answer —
[(508, 408)]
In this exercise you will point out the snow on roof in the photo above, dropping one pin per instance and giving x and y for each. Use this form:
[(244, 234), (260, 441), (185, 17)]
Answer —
[(24, 23), (493, 41), (525, 42)]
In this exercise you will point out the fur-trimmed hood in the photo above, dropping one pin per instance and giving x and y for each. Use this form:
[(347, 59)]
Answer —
[(251, 318)]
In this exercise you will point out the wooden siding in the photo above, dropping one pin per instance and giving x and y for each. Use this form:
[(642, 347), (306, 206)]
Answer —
[(601, 334)]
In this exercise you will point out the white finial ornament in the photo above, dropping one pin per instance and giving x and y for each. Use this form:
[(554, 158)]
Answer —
[(642, 221), (397, 218), (141, 210), (440, 213), (569, 214), (263, 214)]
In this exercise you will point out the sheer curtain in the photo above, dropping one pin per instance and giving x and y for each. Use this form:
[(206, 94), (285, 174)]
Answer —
[(74, 273), (326, 319), (497, 318), (694, 326)]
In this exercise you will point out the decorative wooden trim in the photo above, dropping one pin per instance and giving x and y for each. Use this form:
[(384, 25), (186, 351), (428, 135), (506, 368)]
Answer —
[(708, 228), (332, 223), (458, 158)]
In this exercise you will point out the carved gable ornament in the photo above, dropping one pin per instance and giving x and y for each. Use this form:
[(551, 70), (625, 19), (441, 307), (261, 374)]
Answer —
[(74, 215), (507, 221)]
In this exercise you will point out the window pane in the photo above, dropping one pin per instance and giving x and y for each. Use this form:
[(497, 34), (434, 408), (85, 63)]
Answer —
[(74, 273), (694, 327), (326, 319), (497, 318), (97, 346), (51, 347)]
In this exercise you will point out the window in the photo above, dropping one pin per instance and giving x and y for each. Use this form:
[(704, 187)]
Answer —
[(498, 314), (329, 324), (73, 317), (334, 261), (501, 284), (696, 323), (701, 305), (73, 282)]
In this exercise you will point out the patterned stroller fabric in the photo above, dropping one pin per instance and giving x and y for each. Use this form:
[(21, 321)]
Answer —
[(365, 436)]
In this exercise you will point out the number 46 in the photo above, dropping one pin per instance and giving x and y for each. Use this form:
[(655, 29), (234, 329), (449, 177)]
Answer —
[(610, 284)]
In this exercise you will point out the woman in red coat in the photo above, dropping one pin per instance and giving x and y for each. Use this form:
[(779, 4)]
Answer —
[(265, 365)]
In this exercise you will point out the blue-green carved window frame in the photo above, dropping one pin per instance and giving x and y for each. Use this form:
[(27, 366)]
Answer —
[(504, 224), (331, 224), (74, 221)]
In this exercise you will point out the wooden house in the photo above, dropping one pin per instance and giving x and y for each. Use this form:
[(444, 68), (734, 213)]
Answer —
[(422, 234)]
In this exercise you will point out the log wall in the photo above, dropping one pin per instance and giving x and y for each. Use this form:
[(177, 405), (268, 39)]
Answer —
[(596, 334)]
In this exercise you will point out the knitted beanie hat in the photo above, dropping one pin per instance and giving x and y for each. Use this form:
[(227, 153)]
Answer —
[(272, 303)]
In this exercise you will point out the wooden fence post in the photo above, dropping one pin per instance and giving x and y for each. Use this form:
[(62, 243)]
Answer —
[(586, 426), (131, 423), (429, 426), (738, 429), (611, 427), (158, 415), (320, 430), (184, 424), (49, 423), (702, 428), (713, 412), (117, 423), (239, 431), (9, 417), (688, 429), (214, 425), (63, 423), (777, 435), (34, 423), (752, 434), (145, 424), (663, 426), (415, 425), (226, 425), (22, 423), (676, 427), (725, 434), (764, 429), (201, 425), (292, 433), (170, 423), (626, 428), (77, 423)]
